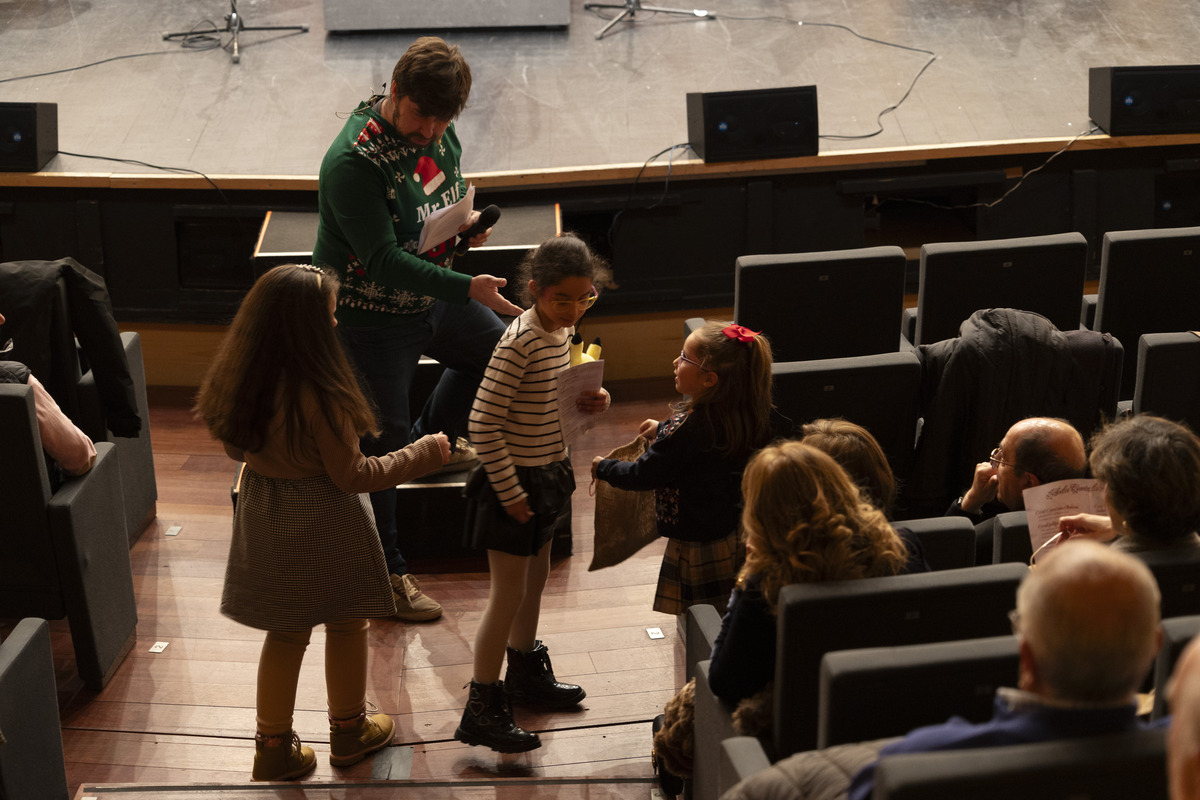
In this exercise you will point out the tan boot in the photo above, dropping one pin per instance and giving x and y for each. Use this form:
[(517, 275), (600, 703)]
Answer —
[(352, 740), (412, 605), (281, 758)]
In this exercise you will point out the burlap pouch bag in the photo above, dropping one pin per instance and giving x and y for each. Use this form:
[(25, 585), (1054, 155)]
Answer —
[(624, 521)]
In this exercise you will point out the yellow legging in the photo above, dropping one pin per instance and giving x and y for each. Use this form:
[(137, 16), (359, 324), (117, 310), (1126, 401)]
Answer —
[(279, 672)]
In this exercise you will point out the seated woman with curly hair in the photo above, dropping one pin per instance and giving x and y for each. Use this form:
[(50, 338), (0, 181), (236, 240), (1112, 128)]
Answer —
[(804, 521)]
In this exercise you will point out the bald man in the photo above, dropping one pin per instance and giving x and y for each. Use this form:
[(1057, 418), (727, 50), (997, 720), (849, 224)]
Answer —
[(1087, 621), (1036, 450), (1183, 741)]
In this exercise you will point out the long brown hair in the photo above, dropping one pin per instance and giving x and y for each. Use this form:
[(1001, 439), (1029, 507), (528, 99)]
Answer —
[(281, 346), (738, 408), (805, 522), (859, 453)]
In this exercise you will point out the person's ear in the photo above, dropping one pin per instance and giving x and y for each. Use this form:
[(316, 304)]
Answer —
[(710, 379), (533, 290), (1027, 674)]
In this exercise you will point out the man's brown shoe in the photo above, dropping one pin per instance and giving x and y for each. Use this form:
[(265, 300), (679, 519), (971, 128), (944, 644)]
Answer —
[(413, 605)]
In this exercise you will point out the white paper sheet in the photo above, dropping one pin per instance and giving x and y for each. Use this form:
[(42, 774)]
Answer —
[(1045, 504), (571, 382), (446, 222)]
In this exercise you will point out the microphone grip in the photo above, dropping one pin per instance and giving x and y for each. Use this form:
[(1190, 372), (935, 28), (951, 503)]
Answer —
[(487, 218)]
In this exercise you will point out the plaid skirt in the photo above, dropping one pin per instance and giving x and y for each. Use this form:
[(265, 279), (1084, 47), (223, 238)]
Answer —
[(695, 573), (303, 553)]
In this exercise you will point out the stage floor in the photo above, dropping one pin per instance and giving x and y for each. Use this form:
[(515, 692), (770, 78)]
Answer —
[(1002, 70)]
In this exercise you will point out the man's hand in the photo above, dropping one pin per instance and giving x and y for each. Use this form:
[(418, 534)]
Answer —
[(590, 402), (486, 289), (595, 463), (480, 238), (983, 488)]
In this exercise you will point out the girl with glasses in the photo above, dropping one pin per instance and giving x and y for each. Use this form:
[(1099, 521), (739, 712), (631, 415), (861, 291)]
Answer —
[(521, 488), (695, 461)]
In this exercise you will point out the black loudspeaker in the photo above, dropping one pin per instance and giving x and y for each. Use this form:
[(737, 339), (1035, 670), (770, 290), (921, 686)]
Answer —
[(1131, 101), (759, 123), (28, 136)]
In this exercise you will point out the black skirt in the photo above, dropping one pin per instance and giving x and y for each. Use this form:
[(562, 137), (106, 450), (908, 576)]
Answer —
[(548, 486)]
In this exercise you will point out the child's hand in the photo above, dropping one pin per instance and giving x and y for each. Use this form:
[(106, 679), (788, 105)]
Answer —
[(596, 463), (649, 429), (593, 402), (520, 510), (444, 445)]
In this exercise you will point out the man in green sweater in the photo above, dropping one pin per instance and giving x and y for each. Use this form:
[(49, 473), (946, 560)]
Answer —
[(396, 161)]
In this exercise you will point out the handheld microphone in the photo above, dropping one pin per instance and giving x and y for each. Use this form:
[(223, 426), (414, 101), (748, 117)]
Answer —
[(487, 218)]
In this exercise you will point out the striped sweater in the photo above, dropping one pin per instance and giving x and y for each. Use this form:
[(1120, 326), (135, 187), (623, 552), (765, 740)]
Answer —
[(514, 420)]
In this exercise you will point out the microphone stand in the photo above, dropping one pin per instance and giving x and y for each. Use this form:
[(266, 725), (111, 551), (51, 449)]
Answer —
[(233, 24), (631, 7)]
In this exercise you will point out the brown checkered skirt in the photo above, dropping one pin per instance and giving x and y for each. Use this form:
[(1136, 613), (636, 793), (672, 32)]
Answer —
[(694, 573), (303, 553)]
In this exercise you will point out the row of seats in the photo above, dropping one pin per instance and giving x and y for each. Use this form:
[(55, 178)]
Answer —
[(861, 660), (839, 304)]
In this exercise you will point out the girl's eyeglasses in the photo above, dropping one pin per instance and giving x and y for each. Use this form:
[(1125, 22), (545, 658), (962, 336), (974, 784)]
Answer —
[(684, 357), (583, 303)]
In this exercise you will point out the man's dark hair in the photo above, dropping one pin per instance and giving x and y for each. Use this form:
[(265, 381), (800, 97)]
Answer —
[(435, 76)]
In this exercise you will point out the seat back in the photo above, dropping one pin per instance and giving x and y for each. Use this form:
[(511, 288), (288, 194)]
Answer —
[(31, 755), (878, 392), (1149, 280), (1177, 632), (1168, 377), (1115, 767), (1178, 576), (948, 542), (801, 301), (1010, 538), (815, 619), (29, 583), (1043, 274), (888, 691)]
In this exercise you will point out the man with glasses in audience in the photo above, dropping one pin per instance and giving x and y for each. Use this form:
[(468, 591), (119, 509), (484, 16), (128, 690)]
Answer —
[(1034, 451)]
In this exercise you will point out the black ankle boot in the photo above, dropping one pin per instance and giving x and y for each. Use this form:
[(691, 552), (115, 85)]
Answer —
[(487, 720), (530, 680)]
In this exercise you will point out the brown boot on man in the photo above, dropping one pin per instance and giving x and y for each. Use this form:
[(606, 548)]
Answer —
[(413, 605)]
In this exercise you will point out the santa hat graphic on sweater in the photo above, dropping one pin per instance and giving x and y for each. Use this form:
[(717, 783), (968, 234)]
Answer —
[(429, 175)]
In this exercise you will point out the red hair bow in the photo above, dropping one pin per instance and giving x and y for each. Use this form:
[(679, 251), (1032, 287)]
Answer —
[(740, 333)]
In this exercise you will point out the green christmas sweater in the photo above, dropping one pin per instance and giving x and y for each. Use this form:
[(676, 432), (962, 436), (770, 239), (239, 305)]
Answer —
[(374, 194)]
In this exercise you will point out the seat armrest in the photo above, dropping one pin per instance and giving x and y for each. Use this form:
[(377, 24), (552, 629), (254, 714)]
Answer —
[(703, 625)]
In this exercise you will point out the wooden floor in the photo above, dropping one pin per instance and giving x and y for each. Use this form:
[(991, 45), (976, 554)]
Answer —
[(186, 715)]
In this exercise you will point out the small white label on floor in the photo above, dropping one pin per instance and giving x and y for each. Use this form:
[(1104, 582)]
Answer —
[(158, 647), (655, 633), (173, 530)]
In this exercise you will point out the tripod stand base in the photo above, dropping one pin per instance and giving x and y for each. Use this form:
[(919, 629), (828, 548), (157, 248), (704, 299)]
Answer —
[(233, 24), (630, 8)]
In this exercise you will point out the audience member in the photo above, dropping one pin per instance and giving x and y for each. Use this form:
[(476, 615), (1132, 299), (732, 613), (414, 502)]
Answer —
[(69, 448), (1034, 451), (1150, 468), (804, 522), (859, 453), (1183, 740), (1088, 623)]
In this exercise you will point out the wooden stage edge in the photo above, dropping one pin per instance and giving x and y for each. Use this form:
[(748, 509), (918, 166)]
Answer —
[(600, 175)]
